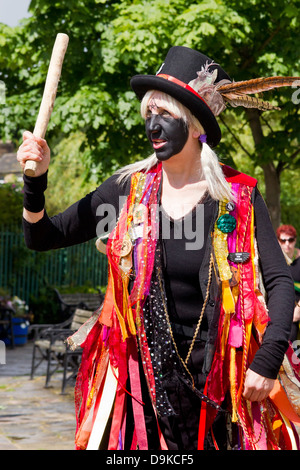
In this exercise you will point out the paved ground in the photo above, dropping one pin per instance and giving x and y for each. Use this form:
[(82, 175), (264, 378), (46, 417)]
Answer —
[(31, 416)]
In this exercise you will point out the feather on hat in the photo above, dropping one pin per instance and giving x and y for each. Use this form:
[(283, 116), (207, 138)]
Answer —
[(201, 85), (234, 93)]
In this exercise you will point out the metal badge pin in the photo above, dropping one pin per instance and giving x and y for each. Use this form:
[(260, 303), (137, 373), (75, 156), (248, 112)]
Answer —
[(230, 206), (139, 214), (126, 246), (239, 257)]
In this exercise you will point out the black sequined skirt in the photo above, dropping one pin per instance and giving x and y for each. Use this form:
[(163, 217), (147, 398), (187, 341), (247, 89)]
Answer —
[(180, 430)]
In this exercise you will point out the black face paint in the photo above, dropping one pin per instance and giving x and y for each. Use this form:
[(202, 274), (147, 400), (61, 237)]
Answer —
[(167, 135)]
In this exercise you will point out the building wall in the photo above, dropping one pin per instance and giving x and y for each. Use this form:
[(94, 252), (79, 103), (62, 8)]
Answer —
[(6, 148)]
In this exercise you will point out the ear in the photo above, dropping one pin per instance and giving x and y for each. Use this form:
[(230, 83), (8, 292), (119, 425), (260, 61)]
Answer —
[(196, 134)]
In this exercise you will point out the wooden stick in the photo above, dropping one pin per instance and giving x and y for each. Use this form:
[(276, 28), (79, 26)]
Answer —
[(49, 95)]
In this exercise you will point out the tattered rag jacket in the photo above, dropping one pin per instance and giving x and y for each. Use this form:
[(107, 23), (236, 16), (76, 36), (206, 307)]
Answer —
[(132, 327)]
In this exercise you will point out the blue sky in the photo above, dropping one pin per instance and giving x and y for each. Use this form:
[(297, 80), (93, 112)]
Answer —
[(12, 11)]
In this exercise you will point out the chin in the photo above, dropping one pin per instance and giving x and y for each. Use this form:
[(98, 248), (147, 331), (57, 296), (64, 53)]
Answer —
[(165, 157), (162, 158)]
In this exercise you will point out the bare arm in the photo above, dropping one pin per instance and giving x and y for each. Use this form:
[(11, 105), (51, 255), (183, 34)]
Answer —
[(32, 217)]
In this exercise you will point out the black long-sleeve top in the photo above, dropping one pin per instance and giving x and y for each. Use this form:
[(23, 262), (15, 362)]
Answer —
[(80, 223)]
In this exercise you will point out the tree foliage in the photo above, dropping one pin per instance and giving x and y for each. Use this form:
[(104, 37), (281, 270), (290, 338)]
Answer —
[(11, 203), (112, 40)]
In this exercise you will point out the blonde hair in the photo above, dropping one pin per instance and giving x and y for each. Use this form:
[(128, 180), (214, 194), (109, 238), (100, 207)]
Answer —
[(212, 172)]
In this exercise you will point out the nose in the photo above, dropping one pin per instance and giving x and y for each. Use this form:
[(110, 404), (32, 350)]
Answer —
[(154, 123)]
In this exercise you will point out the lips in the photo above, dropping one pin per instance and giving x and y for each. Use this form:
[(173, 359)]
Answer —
[(158, 143)]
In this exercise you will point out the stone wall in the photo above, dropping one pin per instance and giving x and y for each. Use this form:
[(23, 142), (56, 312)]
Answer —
[(7, 147)]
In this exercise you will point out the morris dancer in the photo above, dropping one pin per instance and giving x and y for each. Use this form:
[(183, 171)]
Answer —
[(184, 353)]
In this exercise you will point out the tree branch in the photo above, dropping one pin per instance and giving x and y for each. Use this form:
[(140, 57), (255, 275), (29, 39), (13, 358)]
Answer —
[(235, 138), (294, 155), (267, 124), (280, 167), (283, 165), (261, 48)]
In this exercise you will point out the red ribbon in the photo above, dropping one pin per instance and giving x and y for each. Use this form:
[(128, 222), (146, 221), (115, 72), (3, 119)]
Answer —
[(182, 84), (137, 404), (119, 407)]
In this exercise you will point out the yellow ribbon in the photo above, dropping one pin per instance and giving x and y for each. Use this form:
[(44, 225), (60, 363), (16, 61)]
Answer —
[(233, 388)]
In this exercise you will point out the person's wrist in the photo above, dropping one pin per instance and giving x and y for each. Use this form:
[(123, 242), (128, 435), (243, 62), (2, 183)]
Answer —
[(34, 188)]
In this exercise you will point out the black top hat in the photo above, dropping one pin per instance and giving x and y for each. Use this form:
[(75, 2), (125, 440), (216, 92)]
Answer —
[(178, 70)]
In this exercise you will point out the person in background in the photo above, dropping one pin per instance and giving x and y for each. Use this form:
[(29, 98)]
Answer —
[(287, 237)]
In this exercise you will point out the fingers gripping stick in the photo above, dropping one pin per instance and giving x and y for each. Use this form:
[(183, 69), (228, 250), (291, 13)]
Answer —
[(49, 95)]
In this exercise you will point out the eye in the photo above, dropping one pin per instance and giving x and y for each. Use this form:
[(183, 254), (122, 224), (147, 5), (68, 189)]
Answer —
[(149, 112), (164, 112)]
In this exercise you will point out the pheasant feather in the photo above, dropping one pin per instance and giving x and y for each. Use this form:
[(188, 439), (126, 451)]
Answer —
[(236, 99), (217, 95), (257, 85)]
